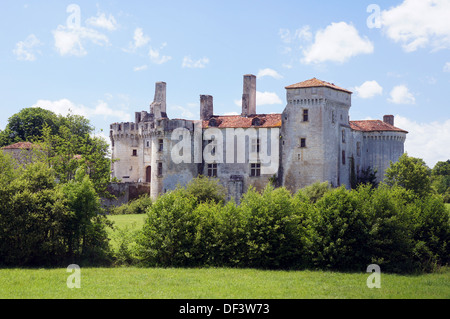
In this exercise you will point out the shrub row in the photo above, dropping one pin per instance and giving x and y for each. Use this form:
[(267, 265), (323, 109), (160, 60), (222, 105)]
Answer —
[(334, 229), (43, 223)]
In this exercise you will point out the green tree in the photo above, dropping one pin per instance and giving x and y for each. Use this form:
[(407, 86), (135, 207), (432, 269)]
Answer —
[(206, 189), (86, 230), (410, 173), (27, 125), (170, 228), (68, 151), (274, 232), (440, 179), (31, 217)]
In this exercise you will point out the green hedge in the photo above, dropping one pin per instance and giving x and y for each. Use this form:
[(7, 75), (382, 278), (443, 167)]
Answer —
[(339, 230)]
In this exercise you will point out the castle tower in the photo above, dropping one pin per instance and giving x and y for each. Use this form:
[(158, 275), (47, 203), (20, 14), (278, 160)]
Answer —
[(315, 135), (158, 106)]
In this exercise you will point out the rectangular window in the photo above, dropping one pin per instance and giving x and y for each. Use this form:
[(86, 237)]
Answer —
[(343, 157), (148, 143), (358, 148), (303, 142), (305, 115), (134, 152), (343, 136), (160, 169), (255, 169), (212, 170), (255, 145), (161, 145)]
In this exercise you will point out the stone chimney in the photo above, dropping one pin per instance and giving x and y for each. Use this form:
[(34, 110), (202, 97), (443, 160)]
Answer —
[(389, 119), (206, 107), (158, 107), (249, 95)]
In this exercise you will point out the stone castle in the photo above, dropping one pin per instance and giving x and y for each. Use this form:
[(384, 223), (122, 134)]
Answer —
[(311, 140)]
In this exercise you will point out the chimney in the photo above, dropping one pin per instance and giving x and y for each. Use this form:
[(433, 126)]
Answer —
[(249, 95), (389, 119), (206, 107), (158, 107)]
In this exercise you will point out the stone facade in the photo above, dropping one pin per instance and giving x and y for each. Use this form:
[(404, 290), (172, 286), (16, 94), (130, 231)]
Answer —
[(312, 140)]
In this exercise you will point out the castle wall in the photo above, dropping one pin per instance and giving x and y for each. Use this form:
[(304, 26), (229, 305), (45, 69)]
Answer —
[(316, 143), (380, 148), (321, 158)]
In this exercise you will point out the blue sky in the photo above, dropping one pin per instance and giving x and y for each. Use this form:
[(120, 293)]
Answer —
[(101, 59)]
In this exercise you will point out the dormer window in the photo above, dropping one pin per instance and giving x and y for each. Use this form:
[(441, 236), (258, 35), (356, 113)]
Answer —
[(213, 123), (256, 121)]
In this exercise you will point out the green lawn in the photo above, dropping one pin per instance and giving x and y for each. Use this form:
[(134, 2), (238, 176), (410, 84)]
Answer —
[(126, 223), (213, 283), (216, 283)]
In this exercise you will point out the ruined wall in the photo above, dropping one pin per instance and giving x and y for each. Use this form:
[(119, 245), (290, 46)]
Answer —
[(128, 151)]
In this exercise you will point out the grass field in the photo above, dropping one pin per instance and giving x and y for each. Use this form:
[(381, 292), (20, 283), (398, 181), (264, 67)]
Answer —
[(213, 283)]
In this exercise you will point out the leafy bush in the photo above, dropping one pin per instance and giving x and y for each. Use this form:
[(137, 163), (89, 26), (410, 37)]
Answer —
[(45, 223), (169, 230), (206, 189), (137, 206), (338, 232), (273, 231), (316, 191)]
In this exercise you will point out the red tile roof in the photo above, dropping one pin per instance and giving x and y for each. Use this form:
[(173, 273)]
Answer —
[(236, 121), (20, 145), (316, 83), (374, 126)]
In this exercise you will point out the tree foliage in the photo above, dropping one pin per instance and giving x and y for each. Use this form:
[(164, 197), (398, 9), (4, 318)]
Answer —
[(45, 223), (410, 173), (27, 125), (339, 230), (440, 179)]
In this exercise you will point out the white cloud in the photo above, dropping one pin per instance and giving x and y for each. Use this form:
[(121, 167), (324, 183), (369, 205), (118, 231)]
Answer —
[(428, 141), (25, 49), (156, 57), (65, 106), (189, 63), (140, 68), (400, 95), (338, 42), (263, 98), (140, 39), (369, 89), (101, 21), (71, 41), (266, 98), (447, 67), (183, 112), (418, 24), (269, 72)]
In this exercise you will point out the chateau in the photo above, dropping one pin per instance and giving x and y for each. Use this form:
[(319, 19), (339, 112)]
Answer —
[(311, 140)]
